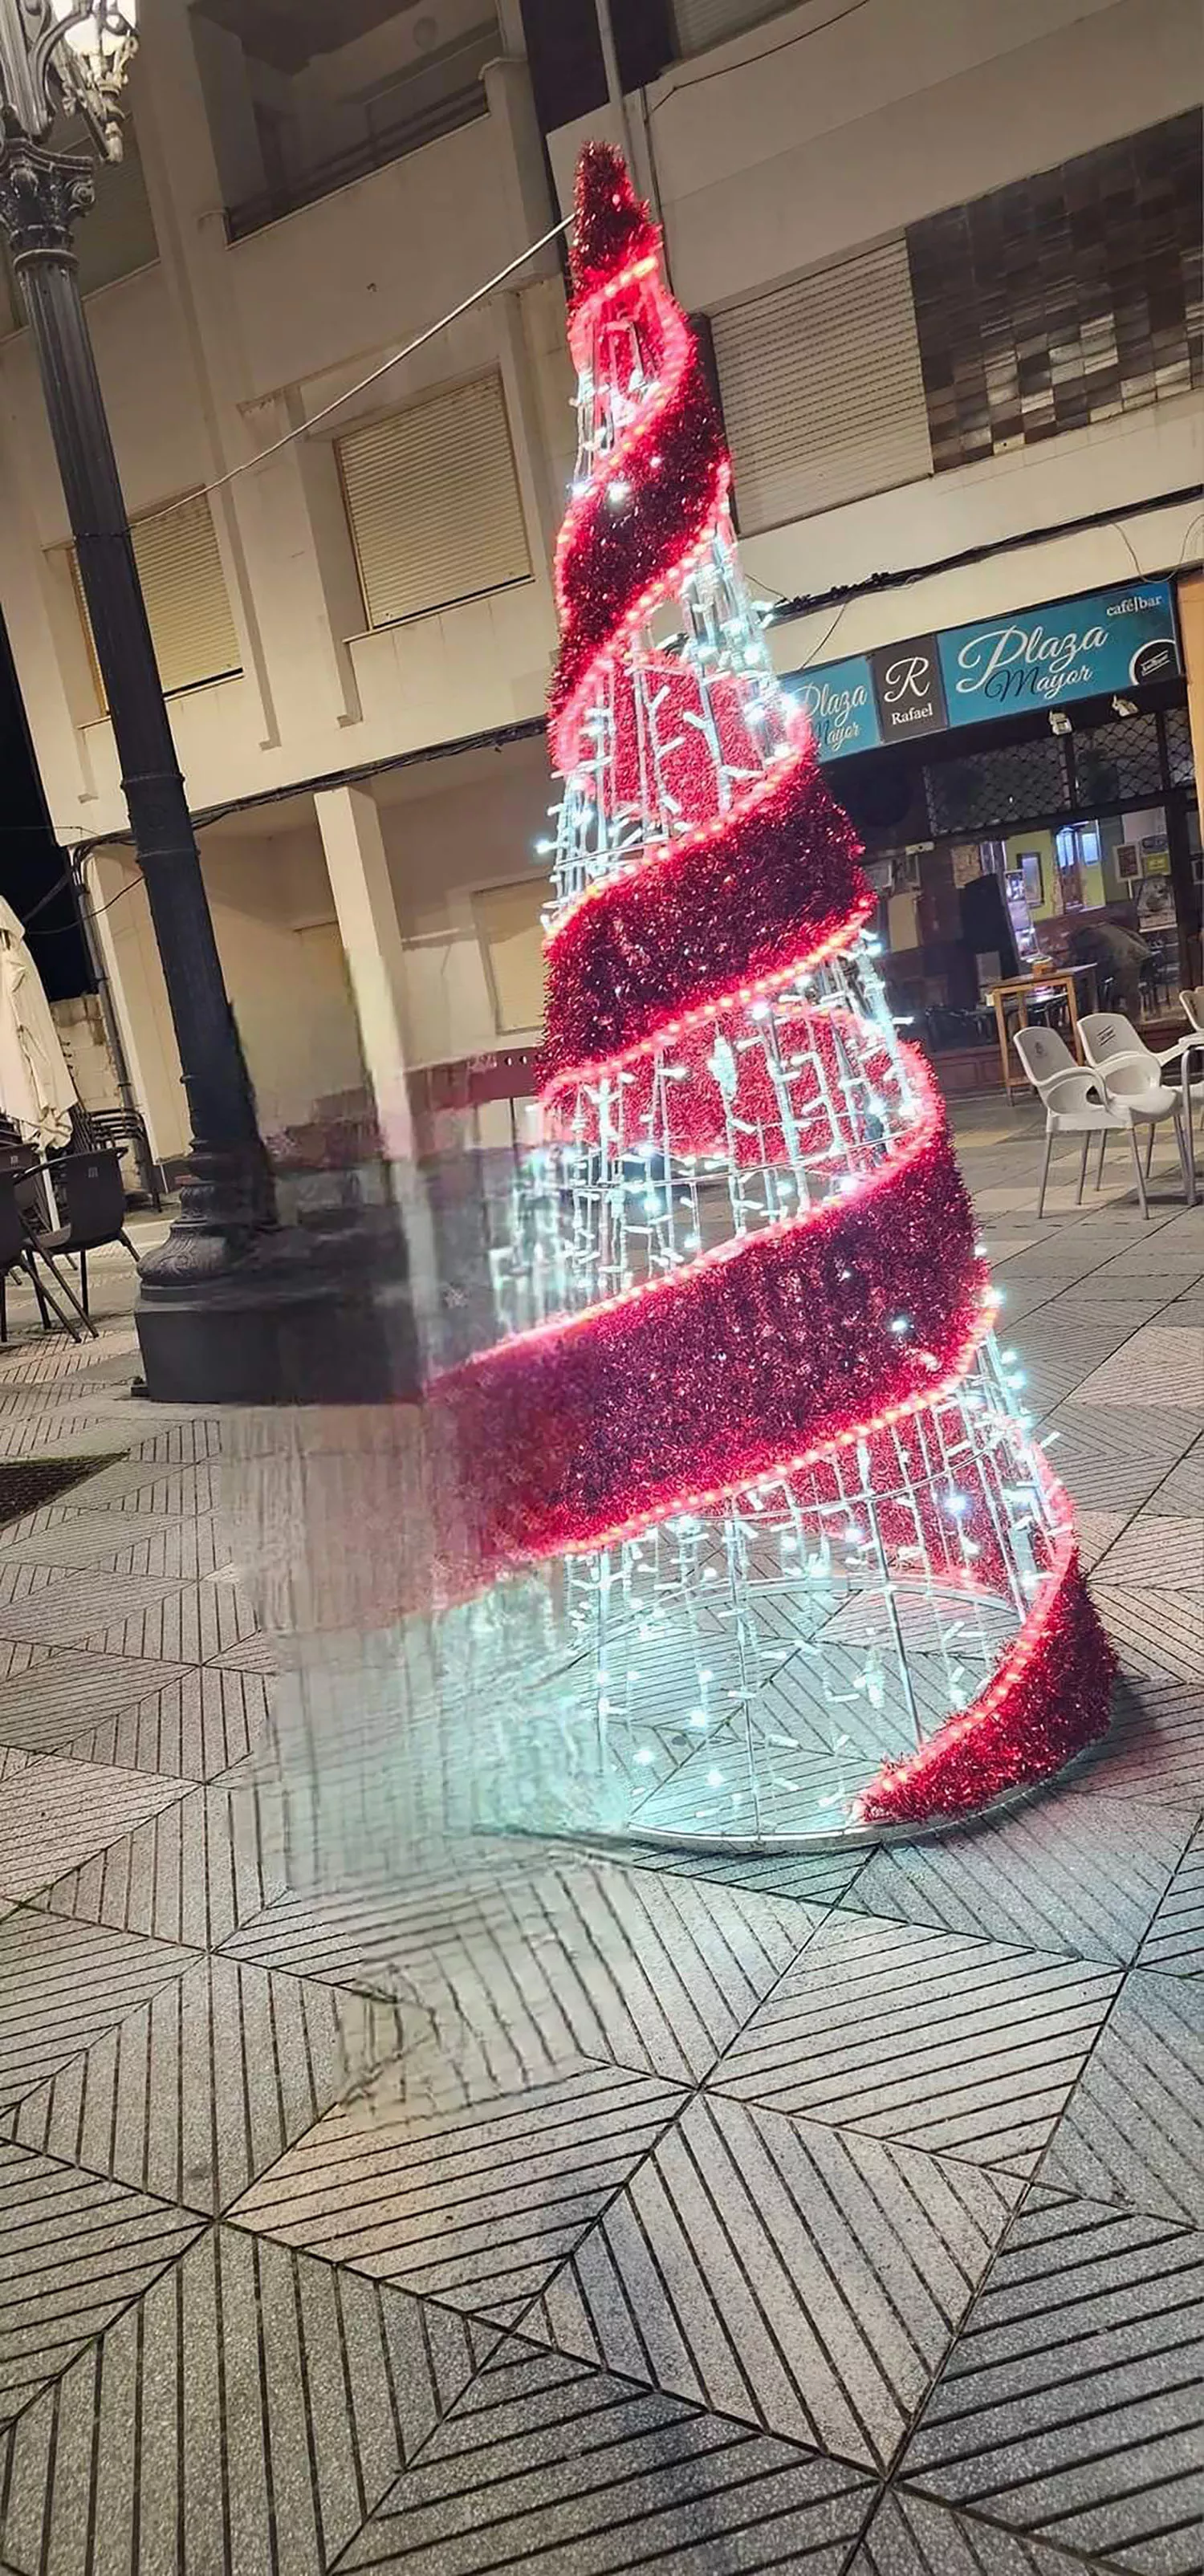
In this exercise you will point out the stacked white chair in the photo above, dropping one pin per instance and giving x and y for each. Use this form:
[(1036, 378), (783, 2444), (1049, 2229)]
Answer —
[(1134, 1080), (1073, 1100)]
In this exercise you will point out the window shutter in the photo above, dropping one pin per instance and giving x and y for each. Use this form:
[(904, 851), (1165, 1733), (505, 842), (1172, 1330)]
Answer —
[(433, 500), (823, 398), (187, 605)]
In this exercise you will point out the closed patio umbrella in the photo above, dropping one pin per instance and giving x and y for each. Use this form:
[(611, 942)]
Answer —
[(36, 1090)]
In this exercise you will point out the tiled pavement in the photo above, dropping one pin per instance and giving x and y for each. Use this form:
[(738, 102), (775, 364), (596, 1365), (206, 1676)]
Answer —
[(560, 2214)]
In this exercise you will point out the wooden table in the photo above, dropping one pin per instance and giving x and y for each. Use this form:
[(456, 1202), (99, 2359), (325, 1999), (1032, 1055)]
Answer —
[(1022, 989)]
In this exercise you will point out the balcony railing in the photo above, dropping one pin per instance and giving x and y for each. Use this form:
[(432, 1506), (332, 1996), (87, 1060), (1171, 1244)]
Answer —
[(399, 123)]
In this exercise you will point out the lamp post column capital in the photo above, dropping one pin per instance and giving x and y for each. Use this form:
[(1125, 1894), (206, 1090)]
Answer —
[(42, 196)]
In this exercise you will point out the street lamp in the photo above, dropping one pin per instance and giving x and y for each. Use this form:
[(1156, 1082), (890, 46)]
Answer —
[(232, 1306)]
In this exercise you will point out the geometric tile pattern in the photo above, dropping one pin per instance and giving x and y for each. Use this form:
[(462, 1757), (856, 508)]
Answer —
[(473, 2204), (1115, 1456), (62, 1611), (1157, 1366), (192, 1874), (909, 2535), (62, 1986), (329, 2382), (1156, 1745), (806, 2279), (57, 1812), (1135, 2128), (1054, 1875), (562, 2208), (546, 2465), (1175, 1940), (964, 2048), (1072, 2408), (208, 2080), (73, 2250), (1157, 1550), (1156, 1632), (586, 1959), (195, 1727), (70, 1691)]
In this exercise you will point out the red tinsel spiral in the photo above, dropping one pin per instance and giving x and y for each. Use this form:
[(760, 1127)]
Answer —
[(770, 1352)]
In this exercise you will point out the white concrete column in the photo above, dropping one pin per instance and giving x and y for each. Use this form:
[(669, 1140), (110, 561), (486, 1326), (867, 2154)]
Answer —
[(372, 944), (131, 962)]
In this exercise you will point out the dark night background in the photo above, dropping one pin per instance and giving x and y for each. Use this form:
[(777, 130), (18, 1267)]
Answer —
[(30, 860)]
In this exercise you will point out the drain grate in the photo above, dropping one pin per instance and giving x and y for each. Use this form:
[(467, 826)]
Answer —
[(27, 1483)]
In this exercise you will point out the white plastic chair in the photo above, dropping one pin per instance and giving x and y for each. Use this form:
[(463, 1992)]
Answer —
[(1193, 1010), (1073, 1101), (1133, 1081)]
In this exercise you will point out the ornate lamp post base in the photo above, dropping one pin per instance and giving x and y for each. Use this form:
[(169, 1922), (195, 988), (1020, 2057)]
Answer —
[(234, 1308), (304, 1315)]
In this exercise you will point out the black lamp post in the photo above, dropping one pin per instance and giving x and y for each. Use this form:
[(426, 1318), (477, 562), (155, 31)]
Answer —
[(233, 1307)]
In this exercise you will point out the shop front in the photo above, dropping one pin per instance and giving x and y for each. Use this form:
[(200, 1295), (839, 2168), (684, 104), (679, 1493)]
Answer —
[(1026, 793)]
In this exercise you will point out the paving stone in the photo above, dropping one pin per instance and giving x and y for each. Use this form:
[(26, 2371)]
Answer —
[(545, 2465), (578, 1958), (908, 2535), (1154, 1632), (197, 1727), (66, 1609), (62, 1985), (58, 1813), (356, 1936), (44, 1708), (209, 1862), (208, 2080), (1182, 1490), (1155, 1745), (247, 2413), (806, 2279), (1115, 1456), (474, 2205), (964, 2048), (161, 1618), (1069, 2408), (77, 1539), (74, 2248), (1134, 2130), (1175, 1940), (1068, 1871), (1096, 1533), (1157, 1366), (817, 1876), (1158, 1552)]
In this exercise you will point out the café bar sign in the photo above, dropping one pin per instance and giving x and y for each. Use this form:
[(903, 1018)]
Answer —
[(1036, 658)]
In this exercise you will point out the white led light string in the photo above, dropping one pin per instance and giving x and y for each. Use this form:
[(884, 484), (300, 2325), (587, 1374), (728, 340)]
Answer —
[(737, 1671)]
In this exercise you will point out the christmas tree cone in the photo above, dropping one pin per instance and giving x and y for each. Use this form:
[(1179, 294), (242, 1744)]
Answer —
[(752, 1541)]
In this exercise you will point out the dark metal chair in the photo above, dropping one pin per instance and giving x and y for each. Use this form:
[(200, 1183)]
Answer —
[(19, 1251), (106, 1130), (91, 1196)]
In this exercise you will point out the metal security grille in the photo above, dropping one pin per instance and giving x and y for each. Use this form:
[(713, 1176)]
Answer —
[(433, 501), (823, 398), (996, 791), (1066, 298), (1119, 764), (1180, 756), (187, 603)]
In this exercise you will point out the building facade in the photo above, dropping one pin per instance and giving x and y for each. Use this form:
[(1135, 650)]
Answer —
[(947, 255)]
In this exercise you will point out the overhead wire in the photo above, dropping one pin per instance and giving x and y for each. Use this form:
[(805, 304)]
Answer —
[(303, 427)]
